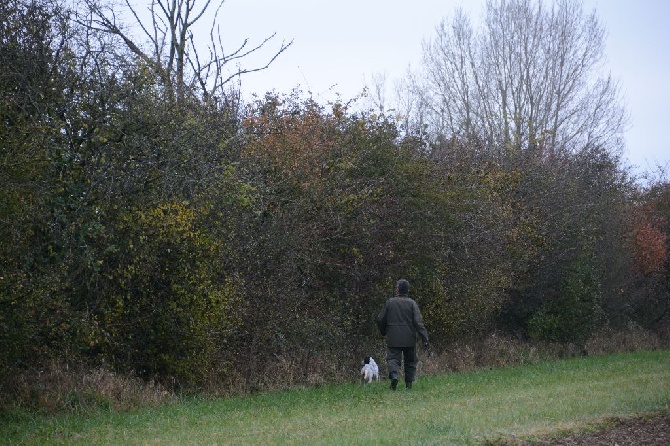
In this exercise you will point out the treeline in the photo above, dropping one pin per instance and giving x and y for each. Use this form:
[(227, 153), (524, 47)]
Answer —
[(191, 239)]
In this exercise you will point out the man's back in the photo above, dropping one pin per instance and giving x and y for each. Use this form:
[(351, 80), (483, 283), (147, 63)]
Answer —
[(400, 320)]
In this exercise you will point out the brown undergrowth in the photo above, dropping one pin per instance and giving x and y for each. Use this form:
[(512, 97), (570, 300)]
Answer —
[(61, 387)]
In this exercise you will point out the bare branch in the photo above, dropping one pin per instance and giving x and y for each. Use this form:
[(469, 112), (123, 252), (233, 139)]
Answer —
[(109, 25), (283, 48), (176, 59)]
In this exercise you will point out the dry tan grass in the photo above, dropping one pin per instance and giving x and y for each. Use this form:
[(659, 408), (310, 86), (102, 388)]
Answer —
[(634, 339), (499, 350), (60, 387)]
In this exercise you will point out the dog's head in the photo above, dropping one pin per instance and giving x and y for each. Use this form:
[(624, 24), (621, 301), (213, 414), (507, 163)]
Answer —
[(367, 359)]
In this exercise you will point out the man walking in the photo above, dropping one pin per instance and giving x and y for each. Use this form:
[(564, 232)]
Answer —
[(400, 322)]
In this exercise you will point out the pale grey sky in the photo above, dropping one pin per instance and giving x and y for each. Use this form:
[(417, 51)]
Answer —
[(339, 44)]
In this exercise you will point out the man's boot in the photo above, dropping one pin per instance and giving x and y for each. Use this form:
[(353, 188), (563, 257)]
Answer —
[(394, 381)]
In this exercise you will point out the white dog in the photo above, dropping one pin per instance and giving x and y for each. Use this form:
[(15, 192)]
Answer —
[(370, 370)]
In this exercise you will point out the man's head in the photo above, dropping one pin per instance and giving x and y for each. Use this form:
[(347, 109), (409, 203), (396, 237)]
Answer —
[(402, 287)]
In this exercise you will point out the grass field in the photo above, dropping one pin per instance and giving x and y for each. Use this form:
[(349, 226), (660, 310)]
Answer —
[(484, 407)]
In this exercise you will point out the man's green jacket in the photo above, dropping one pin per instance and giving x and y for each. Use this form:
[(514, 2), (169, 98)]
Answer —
[(400, 321)]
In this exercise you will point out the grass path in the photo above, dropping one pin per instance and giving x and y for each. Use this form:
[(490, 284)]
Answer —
[(547, 398)]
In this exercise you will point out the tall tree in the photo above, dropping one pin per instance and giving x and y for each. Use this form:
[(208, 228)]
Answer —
[(34, 54), (529, 77)]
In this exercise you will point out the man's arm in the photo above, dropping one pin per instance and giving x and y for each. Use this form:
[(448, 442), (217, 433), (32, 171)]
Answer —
[(381, 321), (419, 326)]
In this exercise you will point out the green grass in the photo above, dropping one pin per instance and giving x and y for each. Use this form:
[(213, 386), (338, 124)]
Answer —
[(548, 398)]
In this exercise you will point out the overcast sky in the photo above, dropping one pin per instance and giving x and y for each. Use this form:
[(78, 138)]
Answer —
[(338, 45)]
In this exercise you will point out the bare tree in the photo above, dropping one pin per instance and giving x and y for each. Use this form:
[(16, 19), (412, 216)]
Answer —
[(530, 77), (406, 108), (376, 92), (172, 53)]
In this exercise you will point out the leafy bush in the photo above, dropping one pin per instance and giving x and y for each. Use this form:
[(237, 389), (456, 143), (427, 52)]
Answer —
[(572, 315)]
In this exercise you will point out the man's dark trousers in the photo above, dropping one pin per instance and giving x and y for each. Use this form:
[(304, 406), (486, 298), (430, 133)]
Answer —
[(394, 356)]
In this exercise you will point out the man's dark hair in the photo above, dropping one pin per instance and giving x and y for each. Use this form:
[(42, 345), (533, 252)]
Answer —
[(403, 287)]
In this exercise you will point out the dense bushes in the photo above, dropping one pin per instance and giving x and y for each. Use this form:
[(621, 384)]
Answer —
[(201, 244)]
